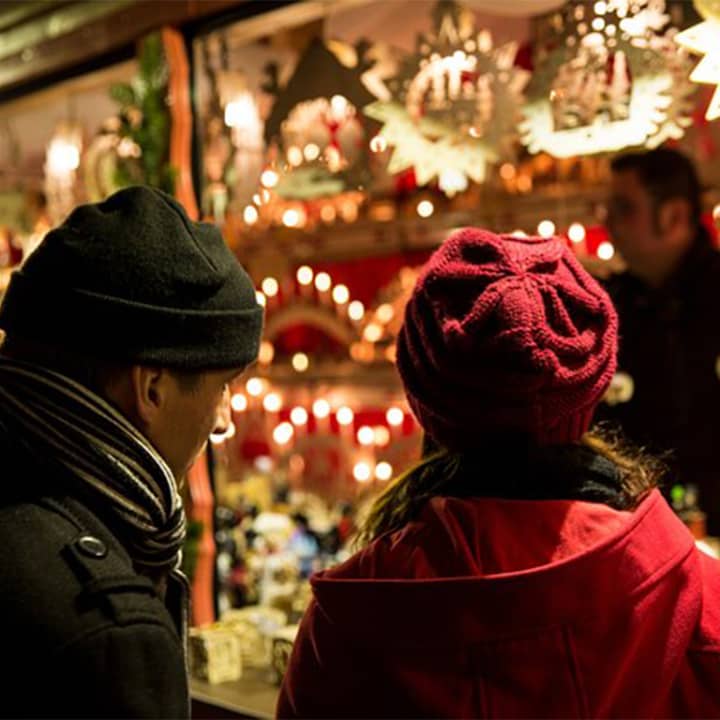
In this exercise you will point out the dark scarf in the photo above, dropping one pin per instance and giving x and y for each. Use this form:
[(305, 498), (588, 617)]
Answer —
[(65, 423)]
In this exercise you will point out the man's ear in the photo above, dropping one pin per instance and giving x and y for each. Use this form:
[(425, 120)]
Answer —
[(674, 217), (148, 387)]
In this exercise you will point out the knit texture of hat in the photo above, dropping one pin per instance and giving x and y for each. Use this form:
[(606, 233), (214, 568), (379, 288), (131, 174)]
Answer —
[(134, 279), (506, 336)]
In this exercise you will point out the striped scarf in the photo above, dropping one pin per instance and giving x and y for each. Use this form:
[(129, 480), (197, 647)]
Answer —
[(115, 464)]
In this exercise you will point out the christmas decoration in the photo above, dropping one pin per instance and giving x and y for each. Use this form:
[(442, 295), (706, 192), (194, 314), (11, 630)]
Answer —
[(145, 122), (315, 132), (454, 103), (609, 76), (704, 39)]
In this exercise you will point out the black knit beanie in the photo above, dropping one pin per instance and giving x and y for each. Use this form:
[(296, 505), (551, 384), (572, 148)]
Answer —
[(134, 279)]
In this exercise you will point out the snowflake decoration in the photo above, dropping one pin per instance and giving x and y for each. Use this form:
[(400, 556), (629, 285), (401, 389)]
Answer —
[(612, 78), (454, 103)]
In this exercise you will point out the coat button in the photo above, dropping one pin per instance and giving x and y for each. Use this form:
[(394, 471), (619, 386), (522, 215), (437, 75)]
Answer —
[(91, 546)]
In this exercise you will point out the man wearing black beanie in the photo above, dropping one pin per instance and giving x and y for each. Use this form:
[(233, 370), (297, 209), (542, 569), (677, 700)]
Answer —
[(122, 333)]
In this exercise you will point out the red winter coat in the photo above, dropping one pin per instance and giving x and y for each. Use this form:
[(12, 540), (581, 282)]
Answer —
[(514, 608)]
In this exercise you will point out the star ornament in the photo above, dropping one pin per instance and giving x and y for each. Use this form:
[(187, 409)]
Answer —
[(704, 39)]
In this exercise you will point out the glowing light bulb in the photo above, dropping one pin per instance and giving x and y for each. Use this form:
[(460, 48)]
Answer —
[(254, 387), (340, 294), (361, 472), (356, 310), (295, 156), (311, 152), (365, 435), (378, 144), (345, 415), (321, 408), (291, 218), (260, 298), (250, 215), (385, 313), (383, 471), (304, 275), (605, 251), (266, 352), (425, 209), (381, 436), (238, 402), (373, 332), (576, 233), (269, 178), (300, 362), (298, 416), (323, 282), (270, 286), (283, 433), (395, 416), (272, 402), (546, 228)]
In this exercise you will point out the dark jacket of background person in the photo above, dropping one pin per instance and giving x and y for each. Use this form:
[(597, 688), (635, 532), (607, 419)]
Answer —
[(526, 567), (85, 635), (670, 348)]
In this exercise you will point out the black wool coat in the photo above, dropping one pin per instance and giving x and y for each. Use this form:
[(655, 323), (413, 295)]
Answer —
[(83, 635)]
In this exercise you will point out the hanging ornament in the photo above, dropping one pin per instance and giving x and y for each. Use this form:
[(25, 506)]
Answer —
[(454, 103), (609, 76), (704, 39), (62, 160), (315, 132)]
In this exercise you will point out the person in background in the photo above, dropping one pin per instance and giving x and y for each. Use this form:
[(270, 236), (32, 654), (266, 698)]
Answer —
[(122, 332), (527, 567), (668, 302)]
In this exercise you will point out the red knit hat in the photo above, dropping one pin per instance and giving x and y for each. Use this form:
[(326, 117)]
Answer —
[(506, 335)]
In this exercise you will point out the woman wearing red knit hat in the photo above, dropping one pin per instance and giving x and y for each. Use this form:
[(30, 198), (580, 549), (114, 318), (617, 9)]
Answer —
[(526, 567)]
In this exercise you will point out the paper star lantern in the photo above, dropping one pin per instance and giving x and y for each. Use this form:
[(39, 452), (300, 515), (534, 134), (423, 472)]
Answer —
[(455, 102), (704, 39), (612, 77)]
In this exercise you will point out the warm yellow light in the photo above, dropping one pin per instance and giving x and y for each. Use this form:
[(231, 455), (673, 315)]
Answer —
[(425, 209), (304, 275), (345, 415), (272, 402), (328, 213), (269, 178), (576, 233), (702, 39), (298, 416), (519, 233), (295, 156), (291, 218), (283, 433), (356, 310), (323, 282), (378, 144), (365, 435), (238, 402), (605, 251), (507, 171), (395, 416), (381, 435), (270, 286), (266, 352), (321, 408), (250, 215), (383, 471), (385, 313), (300, 362), (260, 298), (361, 472), (254, 387), (311, 152), (340, 294), (373, 332), (546, 228)]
